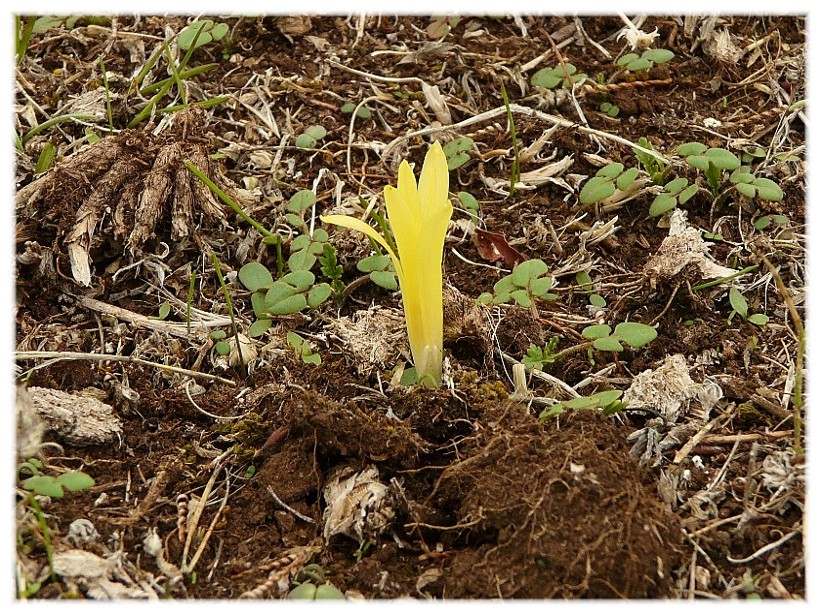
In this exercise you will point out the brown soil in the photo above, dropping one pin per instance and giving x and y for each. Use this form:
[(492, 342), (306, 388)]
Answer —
[(462, 491)]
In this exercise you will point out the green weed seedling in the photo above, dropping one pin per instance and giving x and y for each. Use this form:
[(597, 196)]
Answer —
[(311, 136), (303, 349), (331, 268), (456, 152), (767, 220), (610, 109), (471, 206), (676, 192), (536, 357), (655, 168), (608, 401), (604, 183), (551, 78), (348, 108), (311, 585), (748, 156), (297, 206), (200, 33), (755, 187), (584, 281), (39, 483), (379, 267), (222, 347), (650, 58), (526, 283), (741, 307), (712, 161), (289, 295), (634, 334)]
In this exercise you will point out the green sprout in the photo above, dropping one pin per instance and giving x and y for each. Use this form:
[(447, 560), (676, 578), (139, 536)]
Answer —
[(608, 401), (584, 282), (634, 334), (741, 307), (200, 33), (551, 78), (633, 62), (767, 220), (331, 268), (456, 152), (303, 349), (222, 347), (536, 357), (755, 187), (471, 206), (379, 268), (526, 283), (606, 181), (515, 172), (655, 168), (311, 136), (676, 192), (710, 160), (39, 483), (348, 108), (612, 110)]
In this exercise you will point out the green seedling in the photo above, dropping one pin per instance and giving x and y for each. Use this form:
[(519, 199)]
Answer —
[(309, 591), (39, 483), (755, 187), (303, 349), (610, 109), (634, 334), (456, 152), (471, 206), (584, 282), (163, 312), (379, 268), (526, 283), (676, 192), (229, 303), (331, 268), (305, 249), (440, 25), (222, 347), (608, 401), (741, 307), (712, 161), (289, 295), (605, 182), (748, 156), (551, 78), (348, 108), (200, 33), (536, 357), (297, 207), (655, 168), (45, 159), (767, 220), (650, 58), (311, 136)]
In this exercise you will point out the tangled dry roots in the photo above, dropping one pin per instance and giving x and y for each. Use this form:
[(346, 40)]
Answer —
[(126, 185)]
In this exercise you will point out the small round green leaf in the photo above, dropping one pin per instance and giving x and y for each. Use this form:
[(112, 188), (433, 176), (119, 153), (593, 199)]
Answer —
[(259, 327), (764, 222), (741, 175), (277, 293), (44, 485), (75, 480), (300, 280), (328, 591), (316, 131), (305, 141), (301, 261), (675, 186), (528, 270), (457, 160), (545, 78), (164, 310), (583, 279), (626, 179), (290, 305), (639, 64), (608, 344), (218, 334), (318, 294), (635, 334), (691, 149), (747, 190), (722, 158), (606, 397), (759, 319), (768, 189), (385, 279), (306, 590), (595, 190), (611, 170), (485, 298), (596, 300), (254, 276), (662, 204), (688, 193), (223, 348), (626, 59), (219, 31), (376, 262), (521, 297), (699, 162), (258, 304), (462, 143), (596, 331), (541, 287), (300, 201), (347, 107), (468, 201), (658, 56)]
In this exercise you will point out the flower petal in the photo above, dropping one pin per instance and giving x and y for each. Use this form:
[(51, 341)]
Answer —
[(434, 182)]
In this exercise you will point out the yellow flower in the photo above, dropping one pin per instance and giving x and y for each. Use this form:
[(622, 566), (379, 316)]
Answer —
[(418, 218)]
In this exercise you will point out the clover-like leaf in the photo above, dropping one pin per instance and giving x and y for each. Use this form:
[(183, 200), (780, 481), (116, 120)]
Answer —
[(626, 179), (376, 262), (608, 344), (44, 485), (759, 319), (316, 131), (663, 202), (301, 201), (596, 300), (768, 189), (303, 260), (541, 287), (385, 279), (521, 297), (658, 56), (457, 160), (299, 280), (691, 149), (287, 306), (278, 292), (527, 271), (318, 294), (223, 348), (596, 189), (457, 145), (254, 276), (305, 141), (635, 334)]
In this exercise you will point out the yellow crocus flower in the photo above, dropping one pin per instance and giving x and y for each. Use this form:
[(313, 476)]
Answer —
[(418, 216)]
